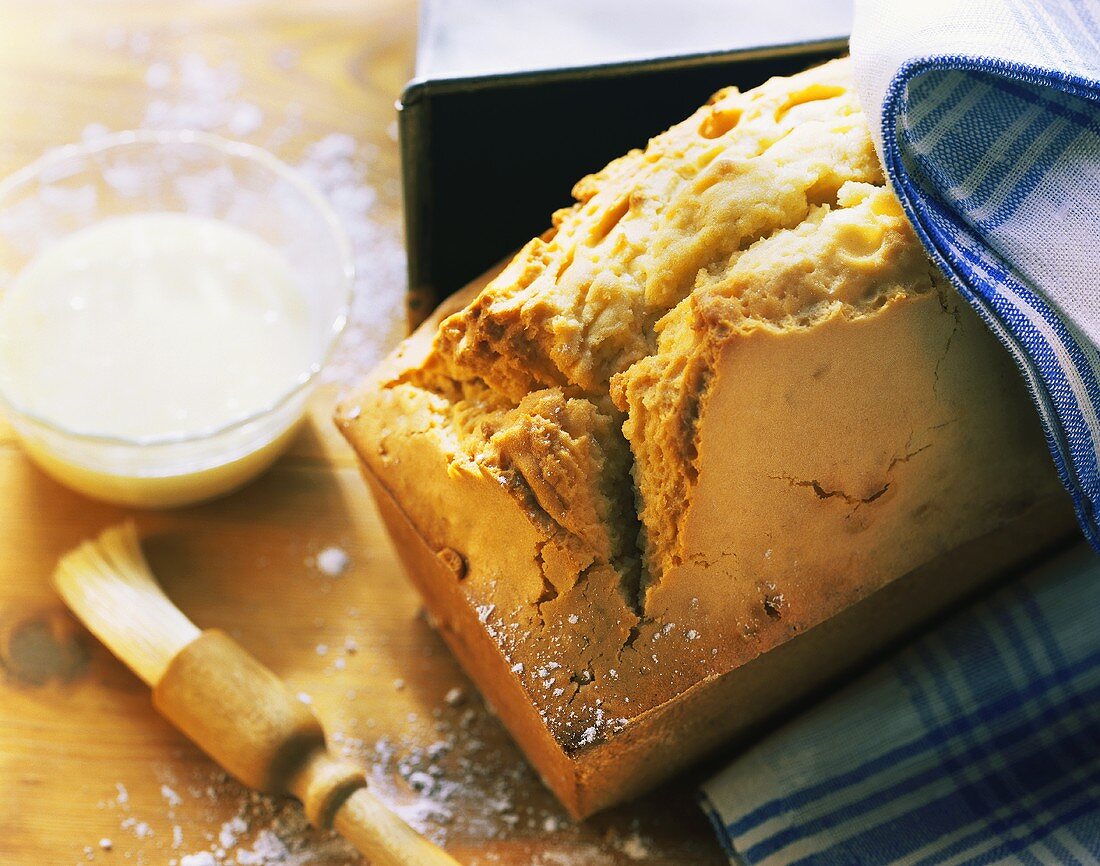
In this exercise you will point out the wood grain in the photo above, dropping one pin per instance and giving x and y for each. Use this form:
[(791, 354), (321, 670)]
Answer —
[(83, 756)]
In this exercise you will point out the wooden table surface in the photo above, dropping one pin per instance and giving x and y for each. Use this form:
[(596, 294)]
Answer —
[(83, 757)]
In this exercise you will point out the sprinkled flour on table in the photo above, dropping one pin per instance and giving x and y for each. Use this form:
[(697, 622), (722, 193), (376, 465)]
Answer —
[(333, 561), (193, 93), (451, 771)]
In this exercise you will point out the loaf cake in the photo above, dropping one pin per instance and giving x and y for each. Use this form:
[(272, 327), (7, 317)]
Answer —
[(719, 434)]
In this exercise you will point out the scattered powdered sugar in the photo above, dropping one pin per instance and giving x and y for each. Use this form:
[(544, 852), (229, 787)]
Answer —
[(451, 772), (139, 828), (270, 850), (263, 831), (455, 697), (634, 847), (332, 561), (357, 176), (231, 831)]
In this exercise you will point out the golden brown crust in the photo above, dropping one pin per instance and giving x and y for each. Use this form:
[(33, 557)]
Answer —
[(575, 309), (802, 397), (848, 262)]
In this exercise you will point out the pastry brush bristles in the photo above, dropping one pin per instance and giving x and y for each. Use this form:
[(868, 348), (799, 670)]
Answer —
[(108, 585)]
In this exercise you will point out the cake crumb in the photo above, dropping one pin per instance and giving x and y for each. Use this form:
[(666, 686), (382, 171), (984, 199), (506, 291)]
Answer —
[(203, 858), (106, 844)]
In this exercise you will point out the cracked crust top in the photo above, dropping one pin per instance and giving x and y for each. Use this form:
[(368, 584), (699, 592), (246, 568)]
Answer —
[(580, 305)]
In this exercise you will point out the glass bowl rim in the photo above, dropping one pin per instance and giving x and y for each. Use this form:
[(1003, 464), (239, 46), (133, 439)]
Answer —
[(249, 152)]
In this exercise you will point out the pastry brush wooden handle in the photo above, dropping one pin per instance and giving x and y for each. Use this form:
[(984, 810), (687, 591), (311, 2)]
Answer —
[(243, 716), (360, 817), (380, 834)]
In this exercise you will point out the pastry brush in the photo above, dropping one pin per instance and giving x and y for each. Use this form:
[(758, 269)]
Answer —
[(223, 699)]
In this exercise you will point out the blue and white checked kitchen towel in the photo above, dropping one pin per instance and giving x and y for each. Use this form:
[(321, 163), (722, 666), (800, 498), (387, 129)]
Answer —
[(987, 118), (981, 743)]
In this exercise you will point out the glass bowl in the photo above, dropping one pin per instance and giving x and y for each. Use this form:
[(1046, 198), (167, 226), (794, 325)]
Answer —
[(74, 186)]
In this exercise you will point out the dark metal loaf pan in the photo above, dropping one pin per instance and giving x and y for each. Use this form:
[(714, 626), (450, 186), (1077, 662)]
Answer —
[(494, 134)]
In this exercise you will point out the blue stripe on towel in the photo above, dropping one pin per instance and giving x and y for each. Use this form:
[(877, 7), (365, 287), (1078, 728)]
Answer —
[(1001, 757)]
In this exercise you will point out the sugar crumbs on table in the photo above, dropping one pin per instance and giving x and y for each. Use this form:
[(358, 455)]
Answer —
[(139, 828), (192, 92), (634, 847), (231, 831), (170, 796), (455, 697), (105, 844), (470, 764), (332, 561)]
